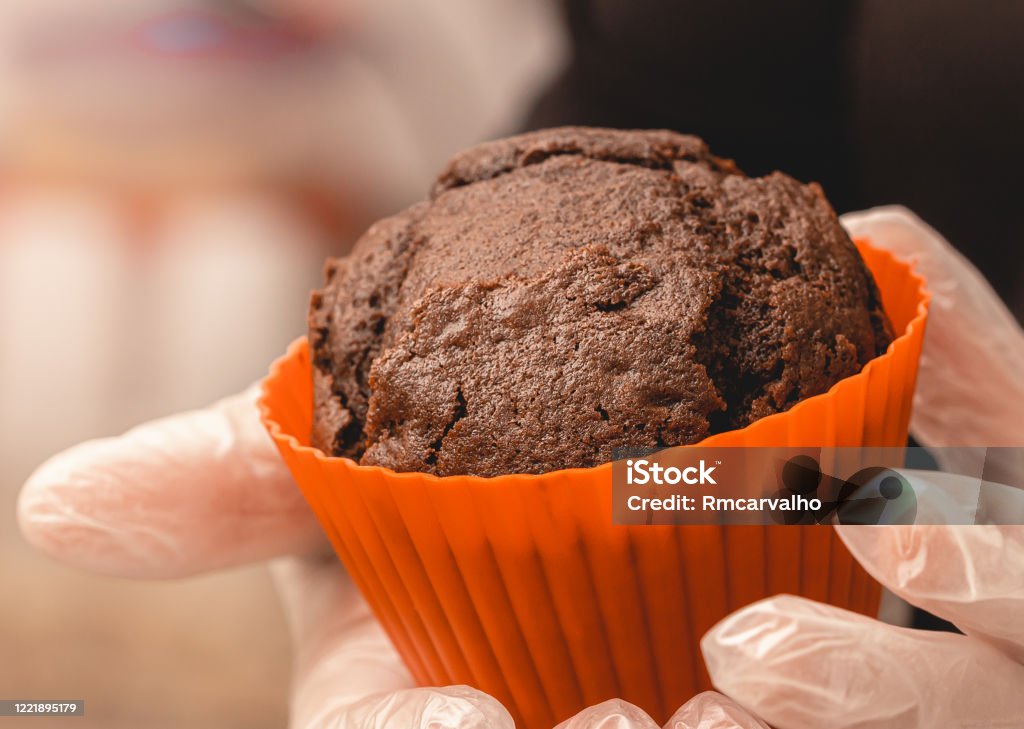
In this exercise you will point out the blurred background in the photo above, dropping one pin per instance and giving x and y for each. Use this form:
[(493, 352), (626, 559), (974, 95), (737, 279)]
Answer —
[(173, 173)]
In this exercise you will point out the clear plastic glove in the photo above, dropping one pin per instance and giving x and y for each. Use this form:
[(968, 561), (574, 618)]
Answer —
[(206, 490)]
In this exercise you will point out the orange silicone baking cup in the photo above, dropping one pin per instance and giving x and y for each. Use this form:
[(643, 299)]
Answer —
[(521, 586)]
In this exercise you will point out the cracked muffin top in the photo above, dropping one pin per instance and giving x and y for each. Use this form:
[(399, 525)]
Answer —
[(570, 291)]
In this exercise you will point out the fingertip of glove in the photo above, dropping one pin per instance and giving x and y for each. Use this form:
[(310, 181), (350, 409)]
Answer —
[(448, 707), (40, 514), (712, 710), (757, 631), (477, 709), (71, 509), (611, 714)]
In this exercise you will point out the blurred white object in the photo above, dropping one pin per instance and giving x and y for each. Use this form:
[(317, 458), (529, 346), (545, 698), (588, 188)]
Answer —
[(178, 91)]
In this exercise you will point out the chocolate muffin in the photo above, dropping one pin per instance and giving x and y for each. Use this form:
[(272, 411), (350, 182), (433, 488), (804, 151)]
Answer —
[(571, 291)]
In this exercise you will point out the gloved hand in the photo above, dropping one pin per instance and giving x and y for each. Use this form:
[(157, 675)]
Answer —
[(206, 490), (800, 664)]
